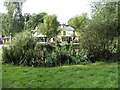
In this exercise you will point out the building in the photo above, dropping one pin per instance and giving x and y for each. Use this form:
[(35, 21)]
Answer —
[(66, 35), (67, 30)]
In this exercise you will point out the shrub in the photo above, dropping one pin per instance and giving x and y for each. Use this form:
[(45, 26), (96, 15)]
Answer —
[(43, 54), (24, 50), (48, 55), (60, 56), (21, 50), (115, 57), (49, 47), (80, 56), (63, 56)]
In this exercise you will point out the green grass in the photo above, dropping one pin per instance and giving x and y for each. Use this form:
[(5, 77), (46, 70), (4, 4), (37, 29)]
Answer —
[(0, 68), (86, 75), (97, 75), (0, 54)]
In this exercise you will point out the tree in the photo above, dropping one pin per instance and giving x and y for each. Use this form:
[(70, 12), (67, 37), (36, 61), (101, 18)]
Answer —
[(79, 23), (33, 20), (18, 21), (49, 27), (105, 23), (103, 33), (13, 21), (5, 25), (119, 26)]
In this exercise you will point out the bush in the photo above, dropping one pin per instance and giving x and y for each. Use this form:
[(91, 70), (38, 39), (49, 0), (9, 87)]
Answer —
[(82, 56), (63, 56), (57, 57), (49, 47), (24, 50), (21, 50), (43, 54)]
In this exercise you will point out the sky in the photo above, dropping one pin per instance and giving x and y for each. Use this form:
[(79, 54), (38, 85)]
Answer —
[(64, 9)]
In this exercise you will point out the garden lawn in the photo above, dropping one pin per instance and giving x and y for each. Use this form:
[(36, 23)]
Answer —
[(97, 75)]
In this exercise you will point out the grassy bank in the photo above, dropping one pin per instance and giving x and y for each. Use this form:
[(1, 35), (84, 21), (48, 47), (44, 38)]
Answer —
[(97, 75)]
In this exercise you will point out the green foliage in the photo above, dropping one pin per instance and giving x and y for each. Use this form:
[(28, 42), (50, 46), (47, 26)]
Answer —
[(68, 55), (105, 23), (34, 20), (21, 50), (79, 23), (5, 24), (102, 36), (46, 46), (49, 27), (83, 55), (63, 56), (24, 50), (52, 56), (99, 37), (43, 54), (50, 22), (12, 21)]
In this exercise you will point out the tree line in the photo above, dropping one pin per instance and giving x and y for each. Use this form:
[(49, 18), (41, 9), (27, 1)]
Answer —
[(100, 35)]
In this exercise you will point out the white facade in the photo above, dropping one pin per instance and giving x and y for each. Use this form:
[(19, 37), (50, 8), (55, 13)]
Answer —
[(67, 30)]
